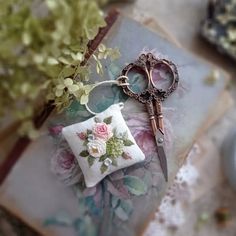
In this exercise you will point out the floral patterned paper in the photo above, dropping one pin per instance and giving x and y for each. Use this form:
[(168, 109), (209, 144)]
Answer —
[(113, 199)]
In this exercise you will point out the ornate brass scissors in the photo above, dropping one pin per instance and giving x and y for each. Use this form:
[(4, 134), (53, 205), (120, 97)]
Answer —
[(152, 96)]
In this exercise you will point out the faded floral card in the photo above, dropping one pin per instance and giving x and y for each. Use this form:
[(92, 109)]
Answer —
[(46, 185)]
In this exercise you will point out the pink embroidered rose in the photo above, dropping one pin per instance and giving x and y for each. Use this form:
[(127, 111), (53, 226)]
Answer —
[(82, 135), (65, 166), (102, 131)]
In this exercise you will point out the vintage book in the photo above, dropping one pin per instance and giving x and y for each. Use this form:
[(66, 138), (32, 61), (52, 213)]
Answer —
[(122, 203)]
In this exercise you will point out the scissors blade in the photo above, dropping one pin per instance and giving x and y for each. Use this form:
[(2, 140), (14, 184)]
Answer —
[(159, 137)]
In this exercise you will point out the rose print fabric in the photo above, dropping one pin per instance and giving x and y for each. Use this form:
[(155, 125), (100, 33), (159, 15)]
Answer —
[(102, 145), (64, 165)]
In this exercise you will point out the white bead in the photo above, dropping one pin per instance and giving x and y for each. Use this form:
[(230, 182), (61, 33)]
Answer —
[(107, 162)]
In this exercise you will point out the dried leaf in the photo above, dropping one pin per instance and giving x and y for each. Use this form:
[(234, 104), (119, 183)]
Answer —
[(103, 168)]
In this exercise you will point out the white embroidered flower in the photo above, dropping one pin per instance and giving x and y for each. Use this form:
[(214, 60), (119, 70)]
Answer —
[(96, 148)]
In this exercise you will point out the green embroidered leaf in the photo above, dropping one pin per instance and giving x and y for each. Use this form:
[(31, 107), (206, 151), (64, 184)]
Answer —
[(128, 142), (89, 131), (84, 153), (85, 143), (108, 120), (125, 135), (114, 162), (103, 168), (91, 161), (102, 158), (135, 185), (97, 120)]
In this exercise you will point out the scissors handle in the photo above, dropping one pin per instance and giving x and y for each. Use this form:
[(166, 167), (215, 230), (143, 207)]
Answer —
[(159, 116), (152, 118), (145, 65)]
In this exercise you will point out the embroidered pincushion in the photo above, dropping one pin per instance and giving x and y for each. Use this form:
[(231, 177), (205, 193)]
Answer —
[(103, 144)]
